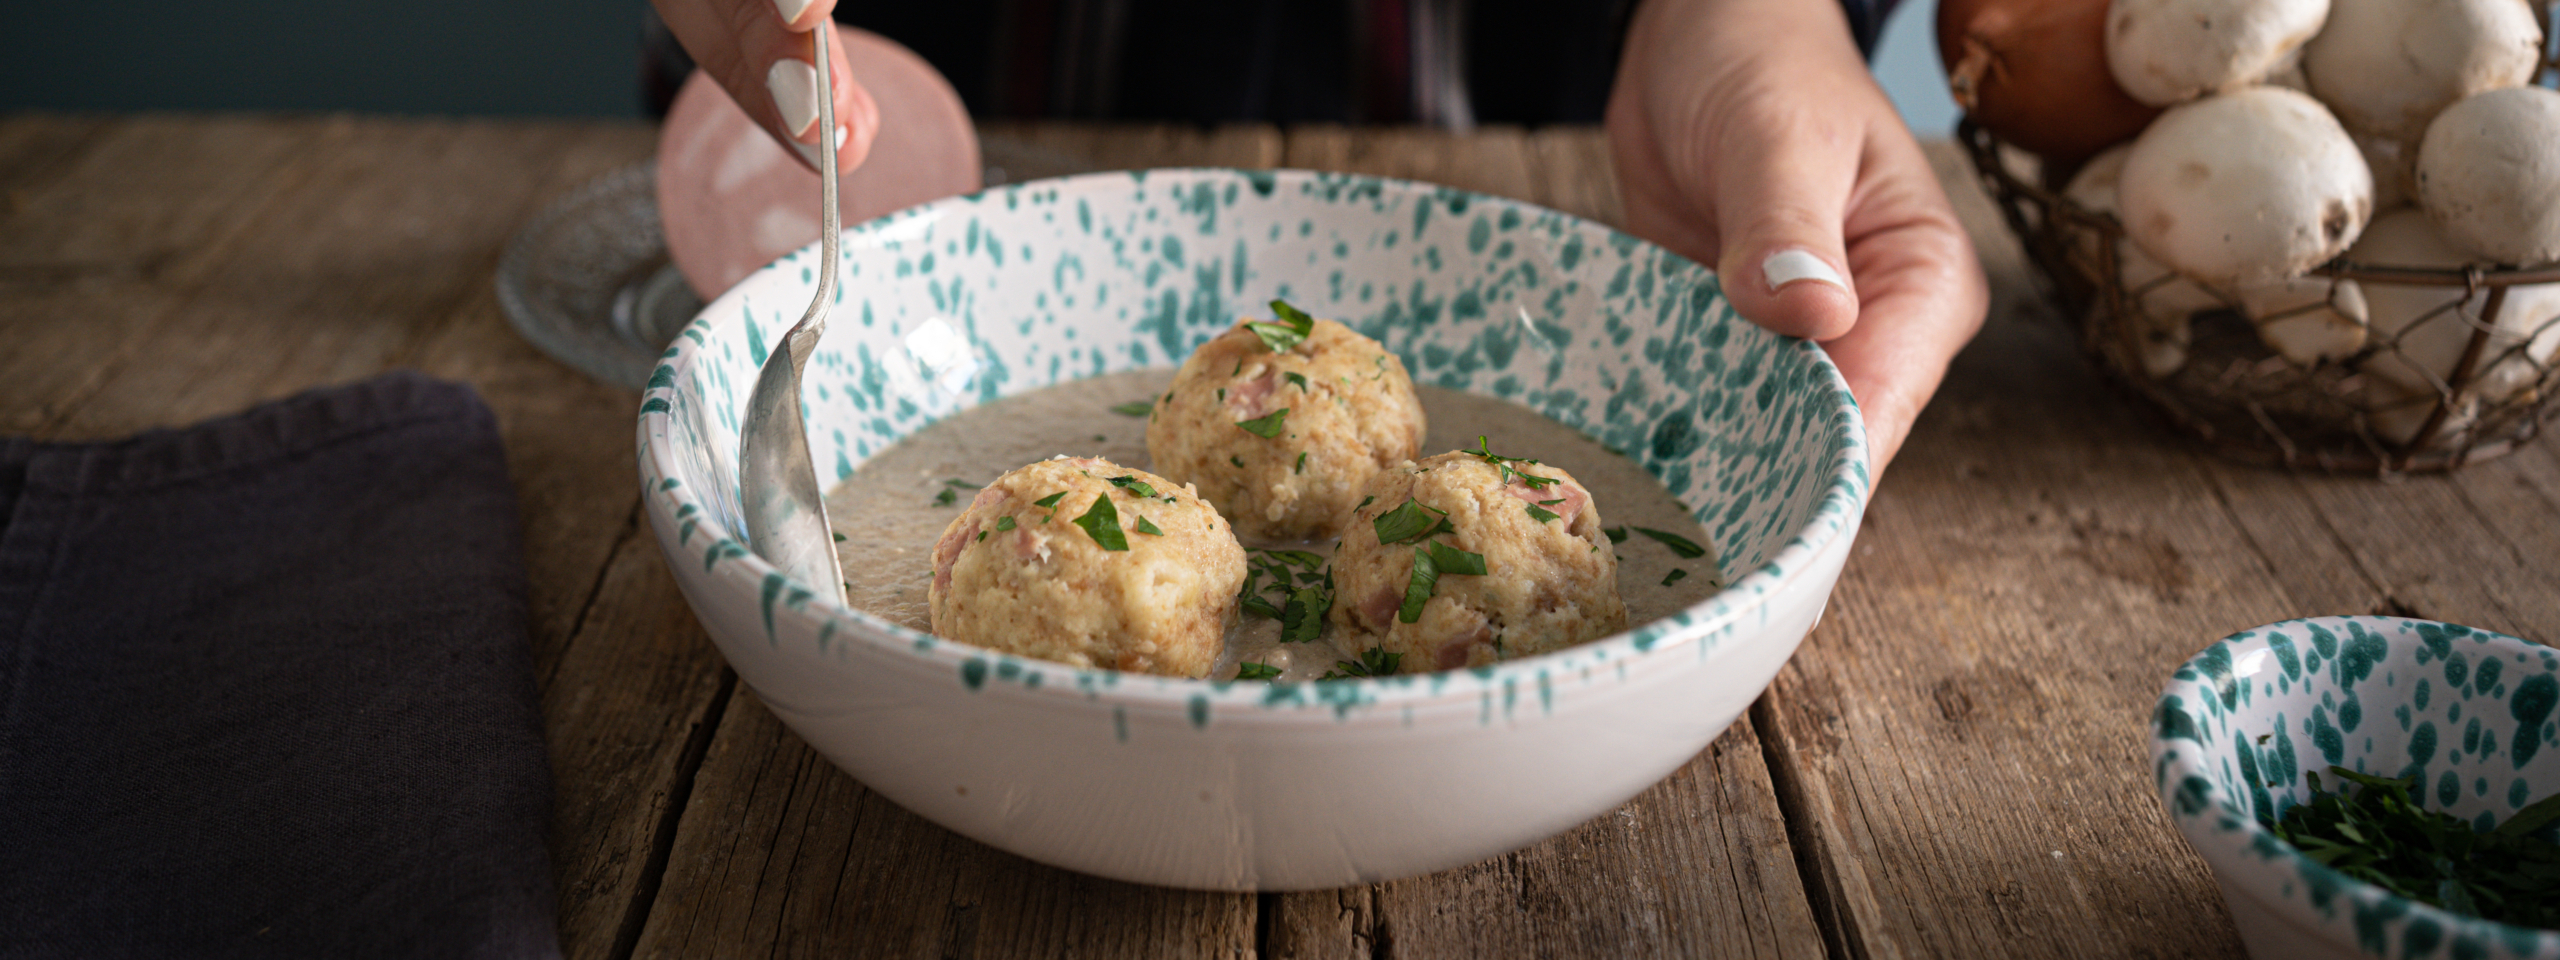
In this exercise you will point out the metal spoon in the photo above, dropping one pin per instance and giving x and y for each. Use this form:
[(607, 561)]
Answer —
[(786, 512)]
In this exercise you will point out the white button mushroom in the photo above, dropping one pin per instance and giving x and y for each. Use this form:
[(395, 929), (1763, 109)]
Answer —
[(2308, 319), (2245, 188), (2171, 51), (2387, 66), (2489, 174), (2425, 330), (2162, 301)]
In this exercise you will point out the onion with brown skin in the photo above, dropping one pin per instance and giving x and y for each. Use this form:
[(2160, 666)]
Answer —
[(2034, 73)]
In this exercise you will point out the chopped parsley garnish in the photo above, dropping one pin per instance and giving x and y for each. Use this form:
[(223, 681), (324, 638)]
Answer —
[(1453, 561), (1004, 523), (1417, 591), (1365, 502), (1050, 500), (1540, 514), (1373, 662), (1675, 576), (951, 492), (1266, 426), (1409, 522), (839, 538), (1297, 378), (1102, 522), (1148, 527), (982, 536), (1136, 408), (1250, 670), (1302, 463), (1680, 546), (1616, 534), (1511, 474), (1134, 485), (1238, 461), (2383, 836), (1302, 618), (1300, 581), (1291, 329)]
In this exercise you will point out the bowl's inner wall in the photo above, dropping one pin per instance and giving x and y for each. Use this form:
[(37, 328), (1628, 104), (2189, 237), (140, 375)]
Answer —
[(959, 302), (2470, 713)]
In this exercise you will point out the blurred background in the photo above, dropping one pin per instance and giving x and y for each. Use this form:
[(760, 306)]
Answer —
[(599, 58)]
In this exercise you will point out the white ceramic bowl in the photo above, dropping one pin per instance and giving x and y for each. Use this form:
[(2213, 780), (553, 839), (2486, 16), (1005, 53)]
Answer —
[(1257, 785), (2472, 713)]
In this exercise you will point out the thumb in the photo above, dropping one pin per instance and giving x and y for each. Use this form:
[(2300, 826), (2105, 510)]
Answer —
[(1780, 197)]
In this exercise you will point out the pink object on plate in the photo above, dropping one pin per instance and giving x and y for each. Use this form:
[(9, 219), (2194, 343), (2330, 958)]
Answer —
[(732, 200)]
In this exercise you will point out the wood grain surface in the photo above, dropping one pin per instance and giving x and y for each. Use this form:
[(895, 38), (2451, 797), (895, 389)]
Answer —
[(1952, 766)]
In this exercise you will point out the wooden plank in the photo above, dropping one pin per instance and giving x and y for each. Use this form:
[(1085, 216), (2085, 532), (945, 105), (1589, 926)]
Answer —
[(1963, 739), (34, 147), (1135, 146), (782, 854), (1571, 168), (1491, 160), (569, 439), (628, 717), (99, 251), (395, 225), (1698, 865)]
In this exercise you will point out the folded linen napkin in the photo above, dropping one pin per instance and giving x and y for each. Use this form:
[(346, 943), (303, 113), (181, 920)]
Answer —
[(265, 689)]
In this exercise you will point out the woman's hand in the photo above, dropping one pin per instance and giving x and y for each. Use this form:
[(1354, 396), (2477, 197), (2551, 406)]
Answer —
[(759, 50), (1748, 134)]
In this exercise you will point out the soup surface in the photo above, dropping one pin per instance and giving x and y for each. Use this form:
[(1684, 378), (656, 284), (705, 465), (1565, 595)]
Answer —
[(893, 508)]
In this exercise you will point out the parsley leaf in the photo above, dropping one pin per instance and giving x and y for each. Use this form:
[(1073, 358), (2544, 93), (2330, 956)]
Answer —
[(1616, 534), (1511, 474), (1148, 527), (1292, 329), (1297, 378), (1302, 619), (1373, 662), (1540, 514), (1238, 461), (839, 538), (1675, 576), (1409, 522), (1004, 523), (1417, 591), (1365, 502), (1453, 561), (951, 491), (1302, 463), (1134, 485), (1050, 500), (1266, 426), (1135, 408), (1680, 546), (1250, 670), (1102, 522)]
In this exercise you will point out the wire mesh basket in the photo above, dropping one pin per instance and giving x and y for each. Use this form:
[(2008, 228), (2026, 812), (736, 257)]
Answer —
[(2363, 367)]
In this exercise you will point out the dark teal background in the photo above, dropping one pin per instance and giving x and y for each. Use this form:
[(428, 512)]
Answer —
[(500, 57)]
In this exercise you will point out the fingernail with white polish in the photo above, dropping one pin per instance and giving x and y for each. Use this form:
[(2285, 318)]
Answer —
[(795, 93), (791, 9), (1788, 266)]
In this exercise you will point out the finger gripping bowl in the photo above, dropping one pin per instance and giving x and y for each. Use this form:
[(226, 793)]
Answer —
[(2474, 715), (1255, 784)]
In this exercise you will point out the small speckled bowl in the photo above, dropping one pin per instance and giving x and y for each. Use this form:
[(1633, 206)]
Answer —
[(1255, 784), (2469, 712)]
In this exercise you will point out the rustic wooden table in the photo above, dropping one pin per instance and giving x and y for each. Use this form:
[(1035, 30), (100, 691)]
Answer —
[(1952, 766)]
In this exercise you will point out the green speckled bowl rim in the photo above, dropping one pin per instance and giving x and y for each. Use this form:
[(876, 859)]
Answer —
[(1844, 474), (2202, 809)]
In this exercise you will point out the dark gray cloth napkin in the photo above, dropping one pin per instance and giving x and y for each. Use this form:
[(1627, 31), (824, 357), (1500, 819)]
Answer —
[(265, 689)]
